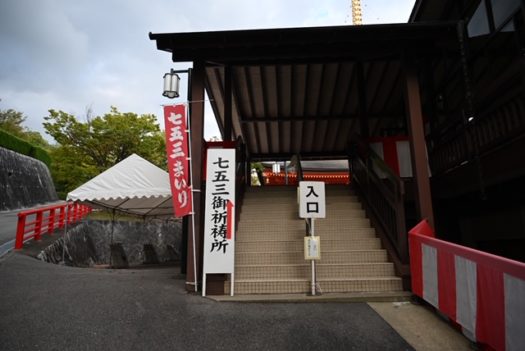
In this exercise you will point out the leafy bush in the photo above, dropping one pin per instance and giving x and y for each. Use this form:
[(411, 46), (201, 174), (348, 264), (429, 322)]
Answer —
[(16, 144)]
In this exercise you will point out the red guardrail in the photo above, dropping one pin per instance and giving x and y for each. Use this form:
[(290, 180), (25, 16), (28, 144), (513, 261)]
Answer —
[(46, 220), (483, 293)]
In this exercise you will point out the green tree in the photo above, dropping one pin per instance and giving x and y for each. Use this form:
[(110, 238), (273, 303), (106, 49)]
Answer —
[(11, 121), (85, 149)]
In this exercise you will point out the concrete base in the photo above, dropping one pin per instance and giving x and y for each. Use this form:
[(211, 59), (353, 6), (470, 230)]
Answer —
[(300, 298)]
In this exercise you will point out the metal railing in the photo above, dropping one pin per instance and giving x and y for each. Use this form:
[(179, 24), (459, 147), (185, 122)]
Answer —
[(490, 130), (382, 192), (46, 220)]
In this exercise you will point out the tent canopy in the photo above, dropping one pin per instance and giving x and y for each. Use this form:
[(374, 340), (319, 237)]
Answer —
[(134, 186)]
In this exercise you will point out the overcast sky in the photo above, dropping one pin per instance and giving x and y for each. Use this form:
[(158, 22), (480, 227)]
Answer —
[(74, 55)]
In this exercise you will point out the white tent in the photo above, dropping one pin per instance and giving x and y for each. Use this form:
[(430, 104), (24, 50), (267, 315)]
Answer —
[(133, 186)]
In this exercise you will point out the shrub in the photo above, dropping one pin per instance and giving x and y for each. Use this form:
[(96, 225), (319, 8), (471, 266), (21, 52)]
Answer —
[(21, 146)]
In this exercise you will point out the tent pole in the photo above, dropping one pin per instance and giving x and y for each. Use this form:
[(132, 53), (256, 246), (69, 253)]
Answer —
[(111, 238)]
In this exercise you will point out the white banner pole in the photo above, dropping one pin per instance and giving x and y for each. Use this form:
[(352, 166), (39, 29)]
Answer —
[(312, 233)]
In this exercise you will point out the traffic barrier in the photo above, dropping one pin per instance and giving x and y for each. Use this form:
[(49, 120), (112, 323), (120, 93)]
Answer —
[(47, 219), (481, 292)]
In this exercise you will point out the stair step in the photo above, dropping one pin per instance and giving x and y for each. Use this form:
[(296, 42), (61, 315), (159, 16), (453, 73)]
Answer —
[(297, 257), (337, 223), (292, 202), (276, 286), (269, 256), (266, 234), (323, 271), (257, 213), (297, 245)]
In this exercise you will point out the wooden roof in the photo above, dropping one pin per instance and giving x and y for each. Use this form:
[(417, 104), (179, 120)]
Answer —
[(303, 90)]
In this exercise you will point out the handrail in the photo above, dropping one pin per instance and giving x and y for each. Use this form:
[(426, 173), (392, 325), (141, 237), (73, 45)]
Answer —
[(493, 127), (383, 194), (47, 219)]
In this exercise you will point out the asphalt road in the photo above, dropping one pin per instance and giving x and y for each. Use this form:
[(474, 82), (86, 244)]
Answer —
[(8, 223), (50, 307)]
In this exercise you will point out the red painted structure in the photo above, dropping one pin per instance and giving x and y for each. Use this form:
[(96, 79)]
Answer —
[(271, 178), (47, 219), (393, 154), (481, 292)]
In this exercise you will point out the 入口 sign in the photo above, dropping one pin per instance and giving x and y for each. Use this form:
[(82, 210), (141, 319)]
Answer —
[(312, 201)]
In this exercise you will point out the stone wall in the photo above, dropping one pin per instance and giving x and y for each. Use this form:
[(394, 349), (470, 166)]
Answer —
[(88, 243), (24, 181)]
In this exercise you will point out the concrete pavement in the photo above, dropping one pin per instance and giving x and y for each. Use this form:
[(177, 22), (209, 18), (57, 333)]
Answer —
[(50, 307)]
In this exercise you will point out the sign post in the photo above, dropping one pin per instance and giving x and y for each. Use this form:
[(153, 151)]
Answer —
[(312, 205), (219, 215)]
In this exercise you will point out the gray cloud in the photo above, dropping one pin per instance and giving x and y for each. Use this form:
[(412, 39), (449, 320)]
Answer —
[(71, 55)]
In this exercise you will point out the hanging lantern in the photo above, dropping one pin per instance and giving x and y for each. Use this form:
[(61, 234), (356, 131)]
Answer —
[(171, 85)]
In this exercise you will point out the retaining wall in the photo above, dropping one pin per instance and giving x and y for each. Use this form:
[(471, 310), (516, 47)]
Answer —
[(24, 181), (88, 243)]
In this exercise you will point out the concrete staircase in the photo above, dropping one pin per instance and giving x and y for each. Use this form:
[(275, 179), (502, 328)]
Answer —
[(269, 257)]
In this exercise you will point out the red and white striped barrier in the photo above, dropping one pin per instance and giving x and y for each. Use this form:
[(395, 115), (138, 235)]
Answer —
[(395, 151), (483, 293)]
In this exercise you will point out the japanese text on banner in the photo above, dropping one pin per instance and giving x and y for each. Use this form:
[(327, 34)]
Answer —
[(177, 152)]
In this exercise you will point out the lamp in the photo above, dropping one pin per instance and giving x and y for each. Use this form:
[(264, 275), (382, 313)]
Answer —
[(171, 85)]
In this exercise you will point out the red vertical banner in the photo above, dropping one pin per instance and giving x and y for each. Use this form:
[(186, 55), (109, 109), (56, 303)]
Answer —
[(177, 152)]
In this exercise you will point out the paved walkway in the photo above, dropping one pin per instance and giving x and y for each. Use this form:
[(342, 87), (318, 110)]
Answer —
[(50, 307)]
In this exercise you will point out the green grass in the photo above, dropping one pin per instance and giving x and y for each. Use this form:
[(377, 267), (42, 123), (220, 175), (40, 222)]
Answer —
[(103, 215)]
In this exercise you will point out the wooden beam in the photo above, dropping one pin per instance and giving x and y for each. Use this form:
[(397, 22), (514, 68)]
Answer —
[(361, 106), (417, 144), (316, 118), (228, 97), (197, 134), (286, 156)]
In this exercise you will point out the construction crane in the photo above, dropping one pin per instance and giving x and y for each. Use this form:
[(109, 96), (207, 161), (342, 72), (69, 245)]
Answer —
[(356, 12)]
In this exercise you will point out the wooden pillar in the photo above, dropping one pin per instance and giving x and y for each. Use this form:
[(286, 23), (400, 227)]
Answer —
[(228, 103), (432, 116), (197, 149), (361, 93), (417, 144)]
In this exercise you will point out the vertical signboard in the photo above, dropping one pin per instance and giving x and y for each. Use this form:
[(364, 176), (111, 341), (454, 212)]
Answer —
[(312, 202), (177, 152), (312, 205), (219, 215)]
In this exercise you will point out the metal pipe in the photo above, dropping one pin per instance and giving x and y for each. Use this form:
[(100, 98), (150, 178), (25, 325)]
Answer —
[(312, 232), (193, 190)]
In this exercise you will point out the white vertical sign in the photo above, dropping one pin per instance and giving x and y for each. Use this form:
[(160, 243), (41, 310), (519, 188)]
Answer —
[(312, 203), (219, 215)]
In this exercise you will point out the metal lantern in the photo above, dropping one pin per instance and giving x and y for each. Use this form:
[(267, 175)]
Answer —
[(171, 85)]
